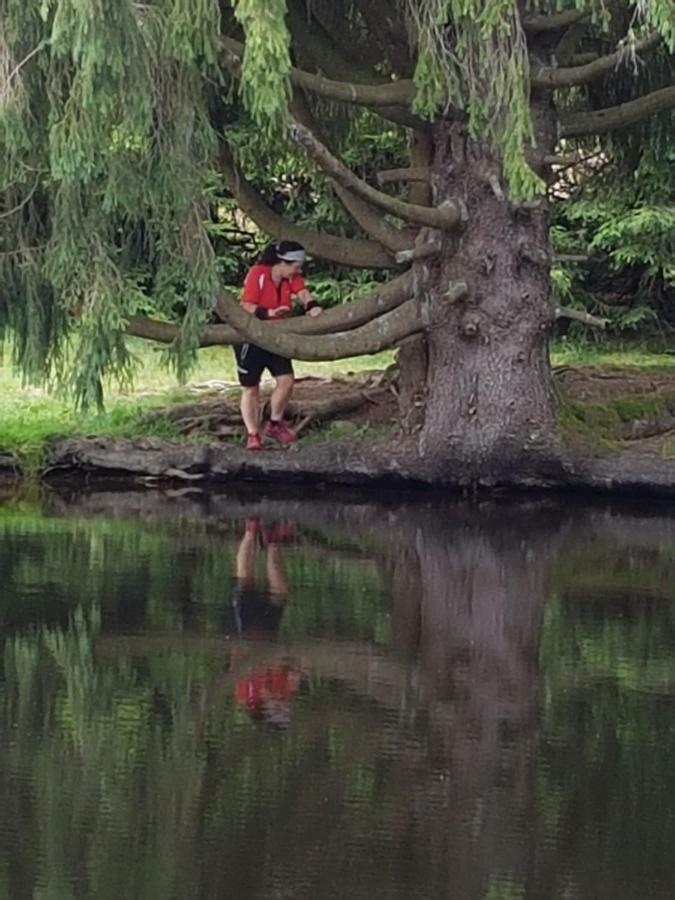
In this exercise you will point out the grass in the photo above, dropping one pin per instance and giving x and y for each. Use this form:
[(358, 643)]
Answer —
[(217, 364), (30, 416), (623, 354)]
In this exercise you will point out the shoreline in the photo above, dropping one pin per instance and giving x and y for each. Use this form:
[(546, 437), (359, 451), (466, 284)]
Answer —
[(156, 462)]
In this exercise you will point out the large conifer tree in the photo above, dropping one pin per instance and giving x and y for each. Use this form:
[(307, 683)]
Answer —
[(120, 120)]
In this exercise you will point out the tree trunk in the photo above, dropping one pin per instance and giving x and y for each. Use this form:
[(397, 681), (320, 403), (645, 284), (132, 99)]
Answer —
[(489, 398)]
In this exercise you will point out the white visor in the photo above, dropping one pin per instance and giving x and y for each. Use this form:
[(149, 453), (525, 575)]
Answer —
[(293, 256)]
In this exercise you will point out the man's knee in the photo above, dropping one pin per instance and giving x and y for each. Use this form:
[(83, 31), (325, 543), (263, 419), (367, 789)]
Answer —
[(285, 382)]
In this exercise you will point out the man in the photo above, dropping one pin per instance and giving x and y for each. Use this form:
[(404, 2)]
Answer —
[(269, 289)]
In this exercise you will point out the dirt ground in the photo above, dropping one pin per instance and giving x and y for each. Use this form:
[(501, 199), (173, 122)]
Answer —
[(601, 384), (366, 403)]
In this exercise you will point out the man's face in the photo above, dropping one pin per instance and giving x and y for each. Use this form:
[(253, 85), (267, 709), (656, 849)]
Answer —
[(291, 269)]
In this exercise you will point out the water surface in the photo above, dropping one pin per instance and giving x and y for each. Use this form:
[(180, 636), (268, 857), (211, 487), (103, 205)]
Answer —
[(213, 696)]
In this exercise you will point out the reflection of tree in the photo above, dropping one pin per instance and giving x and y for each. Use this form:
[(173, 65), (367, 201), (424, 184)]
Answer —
[(414, 770)]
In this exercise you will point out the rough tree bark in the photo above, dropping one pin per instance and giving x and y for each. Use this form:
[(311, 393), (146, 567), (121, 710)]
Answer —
[(489, 397)]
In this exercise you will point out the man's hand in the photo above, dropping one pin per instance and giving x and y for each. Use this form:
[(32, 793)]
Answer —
[(314, 311), (279, 312)]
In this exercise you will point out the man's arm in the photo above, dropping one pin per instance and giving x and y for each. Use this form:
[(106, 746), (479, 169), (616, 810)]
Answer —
[(309, 304)]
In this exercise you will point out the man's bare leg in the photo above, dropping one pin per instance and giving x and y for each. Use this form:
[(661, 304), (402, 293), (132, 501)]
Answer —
[(276, 574), (246, 554), (281, 394), (250, 411)]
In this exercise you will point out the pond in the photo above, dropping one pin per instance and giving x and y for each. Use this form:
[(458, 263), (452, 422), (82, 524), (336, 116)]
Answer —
[(211, 695)]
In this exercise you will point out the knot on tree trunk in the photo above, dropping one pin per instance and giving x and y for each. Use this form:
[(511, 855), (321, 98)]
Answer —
[(531, 253), (470, 324)]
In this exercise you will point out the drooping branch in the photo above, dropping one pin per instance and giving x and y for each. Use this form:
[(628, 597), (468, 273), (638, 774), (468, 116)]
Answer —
[(545, 77), (167, 332), (364, 214), (343, 251), (371, 221), (391, 176), (536, 24), (377, 302), (380, 334), (582, 59), (393, 93), (601, 121), (318, 49), (445, 217), (568, 43)]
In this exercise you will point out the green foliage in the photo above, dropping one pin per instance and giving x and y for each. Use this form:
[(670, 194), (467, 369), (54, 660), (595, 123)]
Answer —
[(624, 222), (28, 423), (265, 87), (473, 56), (115, 104)]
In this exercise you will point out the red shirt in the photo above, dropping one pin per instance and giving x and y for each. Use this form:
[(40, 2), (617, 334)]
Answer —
[(259, 288), (275, 682)]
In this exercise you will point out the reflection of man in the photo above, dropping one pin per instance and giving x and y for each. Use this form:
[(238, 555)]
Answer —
[(258, 611), (266, 692)]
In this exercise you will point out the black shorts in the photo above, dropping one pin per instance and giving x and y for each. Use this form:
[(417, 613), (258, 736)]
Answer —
[(255, 610), (252, 360)]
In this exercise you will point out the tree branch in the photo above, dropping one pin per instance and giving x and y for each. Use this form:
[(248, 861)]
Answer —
[(167, 332), (346, 317), (546, 77), (444, 217), (565, 312), (343, 251), (421, 251), (381, 333), (568, 43), (364, 214), (370, 220), (538, 24), (582, 59), (393, 93), (601, 121), (342, 318), (567, 159), (318, 49)]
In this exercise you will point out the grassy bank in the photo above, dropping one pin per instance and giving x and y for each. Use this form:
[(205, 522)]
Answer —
[(29, 416)]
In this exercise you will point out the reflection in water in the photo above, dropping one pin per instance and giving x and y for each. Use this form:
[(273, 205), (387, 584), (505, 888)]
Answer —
[(267, 691), (210, 697)]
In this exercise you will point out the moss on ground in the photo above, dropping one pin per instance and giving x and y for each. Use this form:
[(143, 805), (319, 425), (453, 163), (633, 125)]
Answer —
[(597, 427)]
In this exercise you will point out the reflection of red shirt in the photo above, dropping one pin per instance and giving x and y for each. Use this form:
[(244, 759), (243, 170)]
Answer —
[(259, 288), (276, 682)]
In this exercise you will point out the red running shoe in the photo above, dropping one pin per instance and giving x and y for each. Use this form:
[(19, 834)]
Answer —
[(253, 441), (279, 533), (252, 526), (279, 432)]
